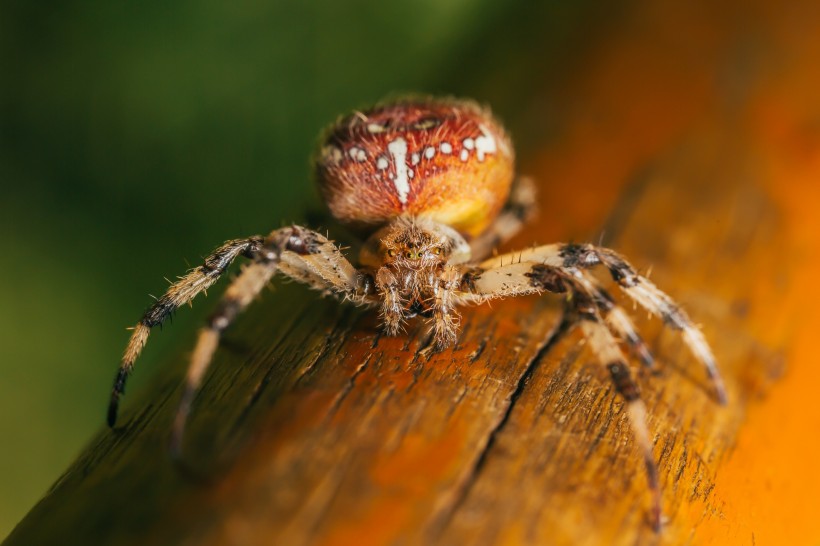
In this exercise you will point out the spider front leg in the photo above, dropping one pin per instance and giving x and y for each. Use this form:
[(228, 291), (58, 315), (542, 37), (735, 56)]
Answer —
[(445, 317), (606, 349), (239, 294), (616, 318), (302, 254), (181, 292), (570, 257), (588, 302)]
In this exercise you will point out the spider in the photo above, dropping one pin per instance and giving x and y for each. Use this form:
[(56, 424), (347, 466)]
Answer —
[(430, 181)]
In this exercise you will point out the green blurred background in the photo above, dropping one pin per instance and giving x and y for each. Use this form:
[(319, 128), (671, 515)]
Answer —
[(138, 135)]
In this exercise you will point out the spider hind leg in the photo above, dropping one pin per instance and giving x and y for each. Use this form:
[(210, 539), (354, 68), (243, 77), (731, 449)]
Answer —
[(238, 296), (651, 298), (606, 350)]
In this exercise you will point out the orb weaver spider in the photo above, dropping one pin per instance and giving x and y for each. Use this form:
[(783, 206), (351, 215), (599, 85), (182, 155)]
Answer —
[(431, 183)]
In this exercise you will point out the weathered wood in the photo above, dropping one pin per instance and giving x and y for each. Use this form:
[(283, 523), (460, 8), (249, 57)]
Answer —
[(314, 429)]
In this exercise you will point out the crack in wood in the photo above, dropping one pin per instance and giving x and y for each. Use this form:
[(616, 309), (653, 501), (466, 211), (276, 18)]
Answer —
[(443, 515), (348, 387)]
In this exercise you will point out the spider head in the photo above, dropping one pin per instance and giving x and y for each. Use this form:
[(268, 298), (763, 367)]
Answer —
[(414, 244)]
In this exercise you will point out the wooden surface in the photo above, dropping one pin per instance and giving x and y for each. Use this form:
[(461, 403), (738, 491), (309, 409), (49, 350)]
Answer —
[(314, 429)]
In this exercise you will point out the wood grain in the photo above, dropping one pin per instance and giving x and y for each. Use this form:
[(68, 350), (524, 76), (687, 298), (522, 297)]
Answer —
[(315, 429)]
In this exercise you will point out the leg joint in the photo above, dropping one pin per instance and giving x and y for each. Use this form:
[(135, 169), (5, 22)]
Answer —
[(576, 255), (224, 315), (544, 277), (469, 278), (624, 384), (302, 241)]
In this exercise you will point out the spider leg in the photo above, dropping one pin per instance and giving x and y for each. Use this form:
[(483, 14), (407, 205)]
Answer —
[(522, 278), (238, 295), (445, 317), (589, 304), (519, 209), (304, 255), (616, 318), (181, 292), (651, 298), (391, 307), (640, 289), (604, 345)]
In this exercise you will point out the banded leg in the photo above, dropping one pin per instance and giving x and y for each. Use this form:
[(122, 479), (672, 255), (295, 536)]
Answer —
[(576, 257), (239, 294), (304, 255), (181, 292), (589, 303), (311, 258), (616, 318), (301, 254), (519, 209), (392, 312), (606, 349), (445, 317), (522, 278)]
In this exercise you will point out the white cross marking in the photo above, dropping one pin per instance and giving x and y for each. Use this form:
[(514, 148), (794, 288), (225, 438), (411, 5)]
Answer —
[(398, 149)]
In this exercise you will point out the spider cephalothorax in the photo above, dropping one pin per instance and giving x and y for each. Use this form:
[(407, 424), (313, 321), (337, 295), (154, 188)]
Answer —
[(410, 257), (431, 182)]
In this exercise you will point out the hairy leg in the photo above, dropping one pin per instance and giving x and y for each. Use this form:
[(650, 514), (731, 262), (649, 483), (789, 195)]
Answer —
[(574, 258), (392, 312), (304, 255), (589, 303), (616, 318), (606, 349), (445, 317), (181, 292), (238, 296)]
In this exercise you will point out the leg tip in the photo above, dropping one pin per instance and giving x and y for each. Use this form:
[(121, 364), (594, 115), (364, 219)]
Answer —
[(112, 413), (656, 521), (719, 389)]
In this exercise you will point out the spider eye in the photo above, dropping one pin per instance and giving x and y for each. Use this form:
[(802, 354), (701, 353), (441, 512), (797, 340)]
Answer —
[(437, 251), (391, 253)]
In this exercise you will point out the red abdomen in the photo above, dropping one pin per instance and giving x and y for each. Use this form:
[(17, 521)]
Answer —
[(448, 160)]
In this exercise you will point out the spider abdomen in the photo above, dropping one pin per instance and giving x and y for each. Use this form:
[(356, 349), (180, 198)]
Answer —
[(443, 159)]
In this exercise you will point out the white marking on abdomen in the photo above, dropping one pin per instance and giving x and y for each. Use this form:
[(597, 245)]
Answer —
[(398, 148), (485, 144), (357, 154)]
